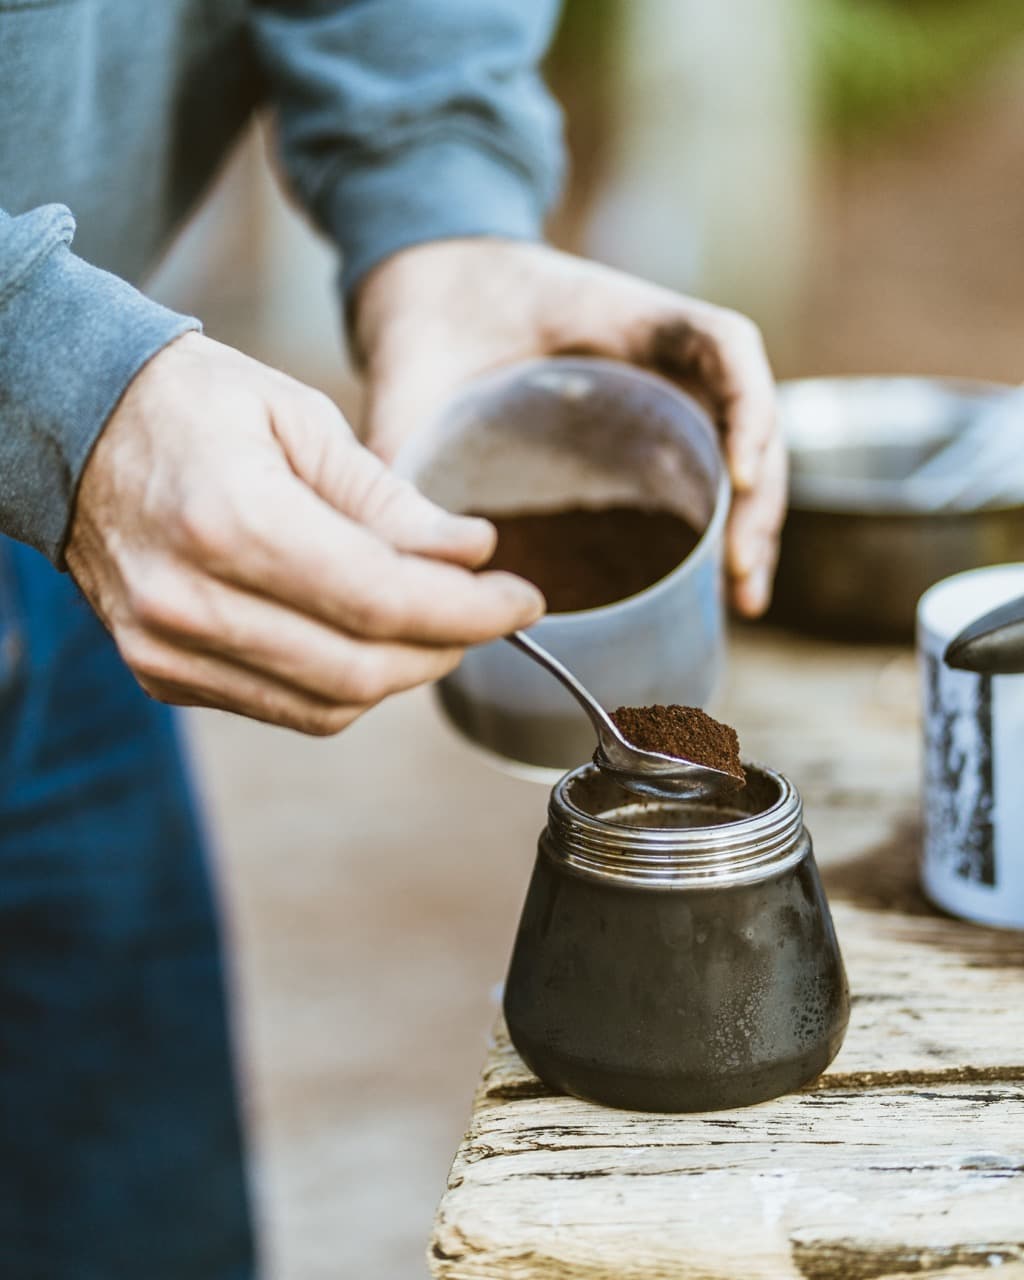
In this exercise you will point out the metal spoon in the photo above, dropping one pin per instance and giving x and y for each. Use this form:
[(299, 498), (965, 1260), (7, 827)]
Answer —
[(648, 772)]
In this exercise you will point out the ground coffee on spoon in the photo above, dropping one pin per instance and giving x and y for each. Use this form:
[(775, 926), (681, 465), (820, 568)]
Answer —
[(686, 732)]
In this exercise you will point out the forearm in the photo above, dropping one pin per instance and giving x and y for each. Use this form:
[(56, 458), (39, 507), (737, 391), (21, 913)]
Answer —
[(404, 121), (72, 337)]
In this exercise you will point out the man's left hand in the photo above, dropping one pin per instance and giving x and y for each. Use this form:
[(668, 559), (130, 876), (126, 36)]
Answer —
[(435, 315)]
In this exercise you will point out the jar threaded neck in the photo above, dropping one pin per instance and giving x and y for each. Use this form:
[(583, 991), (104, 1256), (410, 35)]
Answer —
[(589, 830)]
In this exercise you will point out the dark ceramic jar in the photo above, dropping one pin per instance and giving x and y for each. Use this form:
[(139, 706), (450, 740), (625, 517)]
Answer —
[(676, 956)]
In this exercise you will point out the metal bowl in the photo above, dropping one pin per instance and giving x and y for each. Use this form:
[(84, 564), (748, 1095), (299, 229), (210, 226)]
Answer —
[(856, 554), (567, 431)]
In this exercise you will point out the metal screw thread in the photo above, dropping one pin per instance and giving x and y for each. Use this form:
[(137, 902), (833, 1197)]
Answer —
[(602, 844)]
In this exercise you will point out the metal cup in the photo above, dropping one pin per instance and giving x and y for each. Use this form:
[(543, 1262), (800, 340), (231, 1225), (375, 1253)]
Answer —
[(857, 552), (549, 434)]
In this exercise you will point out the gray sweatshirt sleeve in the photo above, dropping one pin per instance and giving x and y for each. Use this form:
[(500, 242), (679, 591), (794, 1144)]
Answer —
[(401, 121), (71, 339)]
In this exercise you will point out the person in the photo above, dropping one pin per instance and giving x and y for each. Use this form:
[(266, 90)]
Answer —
[(184, 525)]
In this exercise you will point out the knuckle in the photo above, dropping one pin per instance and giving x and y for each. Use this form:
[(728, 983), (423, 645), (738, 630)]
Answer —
[(450, 661), (207, 525), (382, 614), (366, 681), (152, 688), (151, 661), (326, 722), (337, 719), (379, 491), (739, 324), (157, 692), (321, 404), (164, 602), (314, 419), (735, 331), (313, 726)]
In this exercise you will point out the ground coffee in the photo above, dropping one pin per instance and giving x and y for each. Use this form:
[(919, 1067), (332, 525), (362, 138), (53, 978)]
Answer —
[(583, 558), (686, 732)]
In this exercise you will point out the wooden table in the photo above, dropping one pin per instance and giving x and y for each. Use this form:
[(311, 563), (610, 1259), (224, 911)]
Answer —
[(905, 1159)]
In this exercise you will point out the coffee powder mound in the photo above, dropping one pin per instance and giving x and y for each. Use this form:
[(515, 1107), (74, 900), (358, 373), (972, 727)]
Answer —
[(686, 732), (583, 558)]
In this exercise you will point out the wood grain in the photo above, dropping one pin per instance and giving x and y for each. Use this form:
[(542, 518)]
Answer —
[(905, 1159), (851, 1183)]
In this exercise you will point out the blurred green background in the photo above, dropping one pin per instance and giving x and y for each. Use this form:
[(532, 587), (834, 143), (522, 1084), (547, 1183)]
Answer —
[(881, 64), (875, 64)]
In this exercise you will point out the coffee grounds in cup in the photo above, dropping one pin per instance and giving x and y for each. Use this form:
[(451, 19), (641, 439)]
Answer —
[(686, 732), (584, 557)]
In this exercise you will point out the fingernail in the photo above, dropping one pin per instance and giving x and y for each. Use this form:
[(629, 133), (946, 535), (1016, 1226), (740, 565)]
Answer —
[(529, 599), (468, 529), (477, 523)]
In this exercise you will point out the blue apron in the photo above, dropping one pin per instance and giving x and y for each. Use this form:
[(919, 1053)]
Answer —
[(120, 1144)]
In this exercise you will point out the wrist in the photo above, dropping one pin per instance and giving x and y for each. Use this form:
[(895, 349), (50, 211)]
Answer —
[(104, 332), (435, 279)]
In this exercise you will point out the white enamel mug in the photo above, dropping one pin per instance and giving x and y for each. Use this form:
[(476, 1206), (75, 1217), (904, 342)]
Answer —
[(973, 789)]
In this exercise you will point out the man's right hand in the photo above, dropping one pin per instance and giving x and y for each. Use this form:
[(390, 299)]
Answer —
[(247, 553)]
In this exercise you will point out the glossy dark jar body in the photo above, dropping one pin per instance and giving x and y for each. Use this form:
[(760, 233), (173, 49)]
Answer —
[(675, 956)]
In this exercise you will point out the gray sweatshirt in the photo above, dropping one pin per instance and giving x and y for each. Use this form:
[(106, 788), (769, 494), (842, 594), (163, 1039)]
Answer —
[(397, 121)]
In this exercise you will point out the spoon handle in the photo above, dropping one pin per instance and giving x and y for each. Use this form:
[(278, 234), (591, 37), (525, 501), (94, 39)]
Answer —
[(599, 718)]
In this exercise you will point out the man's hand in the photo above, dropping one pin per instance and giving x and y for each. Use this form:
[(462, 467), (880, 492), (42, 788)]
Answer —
[(247, 553), (432, 316)]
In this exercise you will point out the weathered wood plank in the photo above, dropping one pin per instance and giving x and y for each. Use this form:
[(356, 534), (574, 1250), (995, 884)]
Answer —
[(906, 1158), (847, 1184)]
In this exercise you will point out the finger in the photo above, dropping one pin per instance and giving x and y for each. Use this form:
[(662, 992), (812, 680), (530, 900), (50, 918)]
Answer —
[(365, 489), (756, 517), (753, 535), (751, 595), (751, 422), (221, 621), (199, 680), (719, 357), (284, 542), (323, 452)]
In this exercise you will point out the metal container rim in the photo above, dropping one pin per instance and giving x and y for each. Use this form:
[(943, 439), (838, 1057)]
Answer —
[(869, 499), (410, 457), (742, 851)]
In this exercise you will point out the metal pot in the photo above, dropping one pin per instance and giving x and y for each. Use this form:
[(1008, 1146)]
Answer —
[(577, 431), (856, 555), (676, 956)]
